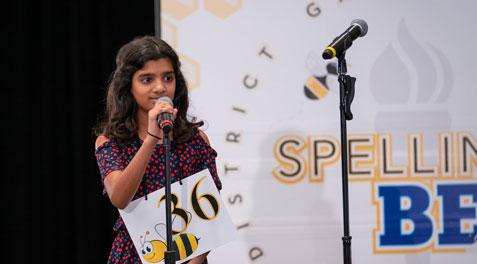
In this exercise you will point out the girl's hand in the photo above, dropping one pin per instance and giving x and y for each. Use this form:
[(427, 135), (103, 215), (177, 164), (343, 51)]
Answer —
[(159, 108)]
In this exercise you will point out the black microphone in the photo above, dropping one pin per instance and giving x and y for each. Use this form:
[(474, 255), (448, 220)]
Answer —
[(340, 44), (164, 120)]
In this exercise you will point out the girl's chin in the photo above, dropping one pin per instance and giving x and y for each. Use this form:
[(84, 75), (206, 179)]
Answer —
[(144, 109)]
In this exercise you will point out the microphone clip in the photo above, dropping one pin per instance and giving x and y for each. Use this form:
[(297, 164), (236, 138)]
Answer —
[(347, 87)]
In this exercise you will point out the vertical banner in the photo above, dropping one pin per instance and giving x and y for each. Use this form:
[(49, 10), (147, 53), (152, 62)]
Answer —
[(271, 108)]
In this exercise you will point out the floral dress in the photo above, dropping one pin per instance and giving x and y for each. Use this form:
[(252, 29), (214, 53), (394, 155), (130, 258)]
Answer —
[(186, 159)]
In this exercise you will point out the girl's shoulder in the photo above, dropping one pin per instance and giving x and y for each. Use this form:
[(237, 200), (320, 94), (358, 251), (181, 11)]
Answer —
[(204, 136), (100, 140), (103, 142)]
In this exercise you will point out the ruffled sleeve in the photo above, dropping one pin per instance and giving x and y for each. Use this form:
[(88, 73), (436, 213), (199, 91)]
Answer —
[(208, 155), (109, 158)]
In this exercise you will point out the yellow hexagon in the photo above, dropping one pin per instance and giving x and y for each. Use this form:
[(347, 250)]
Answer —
[(179, 9), (222, 8), (169, 33), (191, 70)]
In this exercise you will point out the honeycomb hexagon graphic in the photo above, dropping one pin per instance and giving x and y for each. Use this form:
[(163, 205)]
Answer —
[(222, 8), (191, 71), (169, 33), (179, 9)]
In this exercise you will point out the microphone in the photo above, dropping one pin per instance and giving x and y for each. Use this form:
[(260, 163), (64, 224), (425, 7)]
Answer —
[(340, 44), (164, 120)]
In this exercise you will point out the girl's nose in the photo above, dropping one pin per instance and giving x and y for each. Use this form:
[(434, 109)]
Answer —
[(159, 87)]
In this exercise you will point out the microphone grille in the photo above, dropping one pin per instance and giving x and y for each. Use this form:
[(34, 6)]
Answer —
[(166, 99), (361, 24)]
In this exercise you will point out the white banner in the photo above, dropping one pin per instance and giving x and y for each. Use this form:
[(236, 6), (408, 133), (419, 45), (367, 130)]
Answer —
[(200, 222), (271, 106)]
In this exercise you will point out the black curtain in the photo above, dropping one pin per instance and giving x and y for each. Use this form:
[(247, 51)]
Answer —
[(57, 57)]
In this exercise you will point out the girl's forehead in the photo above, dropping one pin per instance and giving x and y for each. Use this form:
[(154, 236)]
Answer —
[(159, 65)]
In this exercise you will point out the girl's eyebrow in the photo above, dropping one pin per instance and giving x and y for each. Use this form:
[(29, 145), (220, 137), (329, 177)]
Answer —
[(147, 74), (168, 72)]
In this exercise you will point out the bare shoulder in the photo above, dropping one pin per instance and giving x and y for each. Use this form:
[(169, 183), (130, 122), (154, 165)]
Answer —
[(100, 140), (204, 136)]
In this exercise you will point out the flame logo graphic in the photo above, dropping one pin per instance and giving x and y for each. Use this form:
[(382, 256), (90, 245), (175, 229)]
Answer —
[(411, 82), (420, 76)]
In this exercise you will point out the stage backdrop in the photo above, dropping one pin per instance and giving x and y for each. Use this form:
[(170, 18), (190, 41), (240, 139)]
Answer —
[(270, 103)]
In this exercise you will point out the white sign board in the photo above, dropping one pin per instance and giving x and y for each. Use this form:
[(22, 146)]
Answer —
[(200, 222)]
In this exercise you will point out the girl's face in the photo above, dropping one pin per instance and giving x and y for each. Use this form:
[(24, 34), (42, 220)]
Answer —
[(154, 80)]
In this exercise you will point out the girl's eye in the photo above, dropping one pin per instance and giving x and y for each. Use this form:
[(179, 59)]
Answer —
[(146, 80), (169, 78)]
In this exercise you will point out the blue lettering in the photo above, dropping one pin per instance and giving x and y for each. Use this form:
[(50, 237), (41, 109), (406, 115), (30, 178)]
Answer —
[(394, 214), (453, 212)]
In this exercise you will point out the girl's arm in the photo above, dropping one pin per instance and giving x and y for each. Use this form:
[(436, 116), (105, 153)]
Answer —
[(122, 185)]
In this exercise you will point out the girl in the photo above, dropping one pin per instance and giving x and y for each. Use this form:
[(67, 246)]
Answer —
[(129, 153)]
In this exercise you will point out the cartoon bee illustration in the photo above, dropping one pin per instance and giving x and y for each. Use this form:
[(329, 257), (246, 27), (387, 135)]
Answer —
[(152, 251), (316, 86), (184, 244)]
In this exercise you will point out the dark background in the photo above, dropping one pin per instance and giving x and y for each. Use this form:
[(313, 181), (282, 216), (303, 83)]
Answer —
[(57, 57)]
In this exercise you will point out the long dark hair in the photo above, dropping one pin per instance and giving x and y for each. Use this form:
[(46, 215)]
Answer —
[(119, 121)]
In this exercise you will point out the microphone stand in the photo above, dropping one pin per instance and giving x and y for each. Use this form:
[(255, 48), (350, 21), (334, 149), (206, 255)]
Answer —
[(170, 254), (346, 97)]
